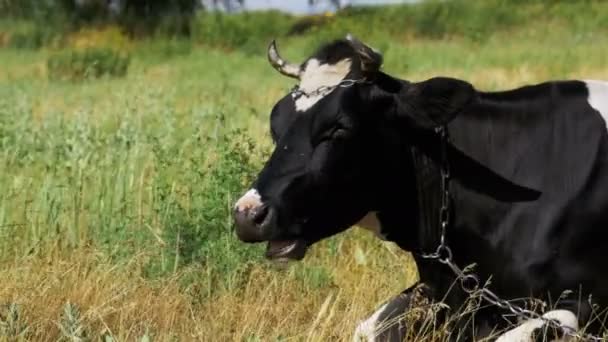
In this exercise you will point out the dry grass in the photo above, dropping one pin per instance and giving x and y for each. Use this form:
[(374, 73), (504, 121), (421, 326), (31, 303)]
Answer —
[(116, 300)]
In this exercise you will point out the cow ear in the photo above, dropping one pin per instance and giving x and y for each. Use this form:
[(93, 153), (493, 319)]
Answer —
[(371, 59), (436, 101)]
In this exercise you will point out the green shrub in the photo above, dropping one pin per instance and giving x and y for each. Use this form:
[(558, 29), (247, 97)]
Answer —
[(23, 34), (469, 19), (166, 17), (30, 39), (29, 9), (305, 24), (248, 32), (313, 277), (137, 17), (163, 48), (87, 64), (194, 207)]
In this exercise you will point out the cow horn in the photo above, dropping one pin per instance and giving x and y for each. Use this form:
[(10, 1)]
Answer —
[(371, 60), (285, 68)]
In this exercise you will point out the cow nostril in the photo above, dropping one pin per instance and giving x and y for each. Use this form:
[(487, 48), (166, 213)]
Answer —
[(260, 215)]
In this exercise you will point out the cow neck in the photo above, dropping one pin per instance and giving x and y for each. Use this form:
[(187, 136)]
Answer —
[(427, 176), (428, 190)]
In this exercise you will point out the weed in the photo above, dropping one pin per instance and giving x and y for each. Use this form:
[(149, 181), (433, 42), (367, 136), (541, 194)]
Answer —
[(90, 63), (71, 324), (313, 277), (12, 325)]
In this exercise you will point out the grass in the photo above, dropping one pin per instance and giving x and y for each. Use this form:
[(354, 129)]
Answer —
[(116, 193)]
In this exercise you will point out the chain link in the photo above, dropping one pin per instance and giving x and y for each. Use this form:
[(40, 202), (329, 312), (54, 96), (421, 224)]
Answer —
[(469, 282), (323, 90)]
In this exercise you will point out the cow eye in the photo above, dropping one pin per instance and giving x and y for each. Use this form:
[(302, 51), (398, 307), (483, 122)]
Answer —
[(339, 132), (336, 132)]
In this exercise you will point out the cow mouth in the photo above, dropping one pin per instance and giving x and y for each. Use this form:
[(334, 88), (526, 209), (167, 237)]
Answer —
[(286, 249)]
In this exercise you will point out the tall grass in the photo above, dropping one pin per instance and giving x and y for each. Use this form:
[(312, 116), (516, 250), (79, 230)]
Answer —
[(471, 21), (116, 193)]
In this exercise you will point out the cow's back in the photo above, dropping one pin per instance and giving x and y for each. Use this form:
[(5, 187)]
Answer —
[(551, 137)]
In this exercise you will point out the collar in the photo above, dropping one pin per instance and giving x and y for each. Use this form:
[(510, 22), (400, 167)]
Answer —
[(296, 92)]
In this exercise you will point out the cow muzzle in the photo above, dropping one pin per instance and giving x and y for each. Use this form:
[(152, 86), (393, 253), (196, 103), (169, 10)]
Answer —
[(256, 222), (252, 217)]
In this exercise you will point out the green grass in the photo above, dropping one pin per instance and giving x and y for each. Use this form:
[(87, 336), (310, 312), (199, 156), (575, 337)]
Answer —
[(116, 193)]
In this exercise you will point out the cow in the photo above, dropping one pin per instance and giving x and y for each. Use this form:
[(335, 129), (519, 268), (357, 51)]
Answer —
[(524, 171)]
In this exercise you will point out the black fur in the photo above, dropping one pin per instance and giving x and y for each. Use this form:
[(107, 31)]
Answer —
[(530, 169)]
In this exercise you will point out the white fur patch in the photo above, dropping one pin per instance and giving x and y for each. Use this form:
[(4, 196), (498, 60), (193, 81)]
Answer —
[(523, 333), (251, 199), (598, 97), (371, 223), (367, 330), (317, 75)]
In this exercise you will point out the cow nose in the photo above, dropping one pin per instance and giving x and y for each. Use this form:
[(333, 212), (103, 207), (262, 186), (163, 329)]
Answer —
[(251, 216), (251, 222)]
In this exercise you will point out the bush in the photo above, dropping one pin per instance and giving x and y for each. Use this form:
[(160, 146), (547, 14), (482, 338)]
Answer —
[(87, 64), (27, 35), (32, 23), (137, 17), (110, 36), (248, 32), (28, 8), (33, 38), (163, 48), (473, 20), (194, 204), (306, 24), (171, 18)]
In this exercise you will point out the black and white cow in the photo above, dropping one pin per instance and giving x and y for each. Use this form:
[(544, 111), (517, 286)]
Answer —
[(529, 184)]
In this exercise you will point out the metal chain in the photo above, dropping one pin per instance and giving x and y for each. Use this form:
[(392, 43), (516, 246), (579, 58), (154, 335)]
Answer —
[(469, 282), (443, 252), (345, 83)]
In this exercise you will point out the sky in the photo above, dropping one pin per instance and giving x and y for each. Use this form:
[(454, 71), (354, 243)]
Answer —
[(301, 6)]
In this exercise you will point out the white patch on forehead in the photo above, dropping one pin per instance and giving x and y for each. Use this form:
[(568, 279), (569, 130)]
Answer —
[(598, 97), (317, 75), (371, 223), (251, 199), (523, 333)]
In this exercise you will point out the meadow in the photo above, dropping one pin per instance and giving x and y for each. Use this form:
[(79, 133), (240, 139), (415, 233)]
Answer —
[(116, 192)]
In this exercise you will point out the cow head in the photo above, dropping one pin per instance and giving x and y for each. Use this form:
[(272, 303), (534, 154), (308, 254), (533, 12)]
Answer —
[(326, 171)]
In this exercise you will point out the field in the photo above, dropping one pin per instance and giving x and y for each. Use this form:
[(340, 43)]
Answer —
[(116, 193)]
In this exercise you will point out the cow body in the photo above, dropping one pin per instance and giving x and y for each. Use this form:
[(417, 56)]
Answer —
[(528, 169), (550, 137)]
